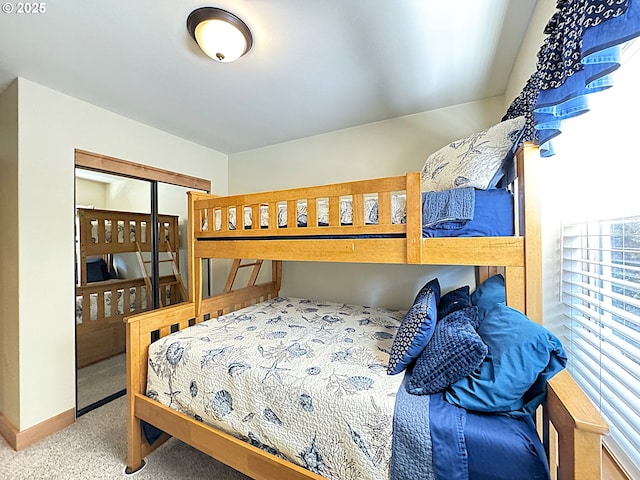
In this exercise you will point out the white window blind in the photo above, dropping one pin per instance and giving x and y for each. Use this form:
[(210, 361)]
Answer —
[(601, 298)]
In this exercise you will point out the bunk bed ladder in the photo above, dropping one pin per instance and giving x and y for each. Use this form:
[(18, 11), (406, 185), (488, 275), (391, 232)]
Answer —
[(176, 271), (174, 265), (236, 266)]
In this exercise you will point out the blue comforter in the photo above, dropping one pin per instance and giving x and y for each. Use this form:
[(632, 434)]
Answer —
[(434, 440), (492, 216), (428, 438)]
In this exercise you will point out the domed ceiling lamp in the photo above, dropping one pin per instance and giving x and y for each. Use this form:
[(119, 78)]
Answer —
[(220, 34)]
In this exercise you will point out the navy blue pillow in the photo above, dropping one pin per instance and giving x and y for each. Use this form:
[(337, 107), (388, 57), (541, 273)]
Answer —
[(512, 378), (416, 328), (454, 351), (488, 294), (432, 286), (454, 300), (97, 270)]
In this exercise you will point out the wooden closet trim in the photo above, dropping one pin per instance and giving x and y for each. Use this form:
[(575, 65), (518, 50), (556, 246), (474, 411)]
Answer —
[(104, 163)]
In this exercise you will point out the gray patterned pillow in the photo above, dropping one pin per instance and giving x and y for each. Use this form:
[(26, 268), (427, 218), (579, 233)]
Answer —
[(473, 161), (454, 352)]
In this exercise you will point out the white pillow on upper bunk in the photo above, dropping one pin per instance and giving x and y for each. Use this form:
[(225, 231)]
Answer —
[(474, 161)]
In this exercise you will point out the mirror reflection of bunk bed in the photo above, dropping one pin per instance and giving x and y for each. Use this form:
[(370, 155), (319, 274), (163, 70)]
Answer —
[(105, 290)]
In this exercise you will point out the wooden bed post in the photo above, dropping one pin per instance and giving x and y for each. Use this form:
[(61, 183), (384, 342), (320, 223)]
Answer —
[(528, 167), (523, 285), (580, 445), (194, 264), (276, 274), (134, 378), (414, 218)]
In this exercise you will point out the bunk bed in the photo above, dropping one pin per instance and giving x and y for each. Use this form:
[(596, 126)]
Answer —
[(102, 299), (567, 422)]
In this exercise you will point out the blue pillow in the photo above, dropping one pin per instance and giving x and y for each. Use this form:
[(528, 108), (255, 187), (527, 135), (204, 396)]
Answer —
[(512, 378), (454, 351), (416, 328), (97, 270), (454, 300), (429, 288), (488, 294)]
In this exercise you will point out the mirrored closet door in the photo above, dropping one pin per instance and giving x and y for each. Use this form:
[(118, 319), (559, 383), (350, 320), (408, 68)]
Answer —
[(129, 259), (113, 223)]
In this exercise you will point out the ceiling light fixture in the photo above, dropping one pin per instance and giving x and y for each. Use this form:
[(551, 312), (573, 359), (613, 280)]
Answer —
[(220, 34)]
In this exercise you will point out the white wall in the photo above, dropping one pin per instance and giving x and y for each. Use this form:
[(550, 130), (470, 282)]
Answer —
[(51, 126), (380, 149), (9, 328)]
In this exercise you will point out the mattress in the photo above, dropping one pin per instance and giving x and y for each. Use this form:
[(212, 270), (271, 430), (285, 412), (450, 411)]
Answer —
[(492, 215), (398, 213), (303, 380)]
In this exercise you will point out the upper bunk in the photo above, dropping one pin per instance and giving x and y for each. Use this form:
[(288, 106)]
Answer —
[(110, 232), (270, 227)]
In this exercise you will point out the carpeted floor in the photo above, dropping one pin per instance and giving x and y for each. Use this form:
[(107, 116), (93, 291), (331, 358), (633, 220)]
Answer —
[(95, 446)]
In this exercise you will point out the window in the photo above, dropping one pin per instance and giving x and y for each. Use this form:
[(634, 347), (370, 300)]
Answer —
[(601, 294), (593, 178)]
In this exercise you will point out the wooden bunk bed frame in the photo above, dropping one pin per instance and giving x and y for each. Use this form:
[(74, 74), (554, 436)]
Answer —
[(98, 235), (569, 424)]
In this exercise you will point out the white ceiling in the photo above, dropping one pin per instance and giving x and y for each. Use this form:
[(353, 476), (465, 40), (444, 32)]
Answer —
[(315, 66)]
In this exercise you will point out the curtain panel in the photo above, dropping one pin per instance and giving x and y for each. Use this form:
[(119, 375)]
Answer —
[(580, 51)]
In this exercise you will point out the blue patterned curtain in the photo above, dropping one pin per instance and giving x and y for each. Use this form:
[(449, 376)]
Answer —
[(581, 50)]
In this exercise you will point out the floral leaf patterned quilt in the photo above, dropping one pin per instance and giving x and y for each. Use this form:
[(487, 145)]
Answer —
[(303, 380)]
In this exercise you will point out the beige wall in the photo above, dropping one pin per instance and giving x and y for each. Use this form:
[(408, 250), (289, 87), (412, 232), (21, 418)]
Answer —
[(380, 149), (51, 126), (91, 193), (391, 147), (9, 328), (527, 57)]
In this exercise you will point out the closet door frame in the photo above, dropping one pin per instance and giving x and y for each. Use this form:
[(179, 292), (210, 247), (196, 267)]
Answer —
[(103, 163)]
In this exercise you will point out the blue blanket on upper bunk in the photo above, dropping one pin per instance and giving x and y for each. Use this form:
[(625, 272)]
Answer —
[(492, 215), (448, 209)]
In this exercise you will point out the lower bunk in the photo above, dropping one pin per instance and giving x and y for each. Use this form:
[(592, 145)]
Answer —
[(279, 387), (101, 307)]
